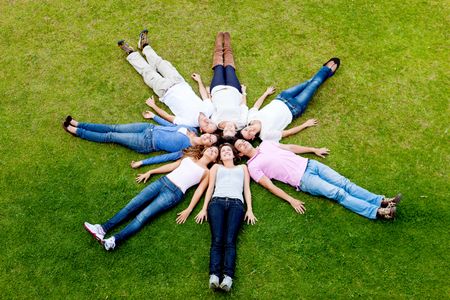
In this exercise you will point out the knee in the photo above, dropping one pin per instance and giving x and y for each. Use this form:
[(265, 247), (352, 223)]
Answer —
[(216, 242), (339, 195)]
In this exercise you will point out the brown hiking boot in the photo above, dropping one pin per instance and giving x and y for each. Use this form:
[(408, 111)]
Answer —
[(125, 47), (387, 202), (228, 59), (218, 50), (143, 39), (387, 213)]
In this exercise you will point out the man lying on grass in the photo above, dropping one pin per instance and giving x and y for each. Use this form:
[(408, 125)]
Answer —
[(273, 160)]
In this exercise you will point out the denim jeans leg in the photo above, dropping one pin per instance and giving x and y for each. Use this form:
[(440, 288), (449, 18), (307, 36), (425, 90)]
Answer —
[(218, 77), (337, 179), (231, 78), (293, 91), (216, 218), (122, 128), (134, 141), (164, 200), (317, 186), (143, 198), (234, 218)]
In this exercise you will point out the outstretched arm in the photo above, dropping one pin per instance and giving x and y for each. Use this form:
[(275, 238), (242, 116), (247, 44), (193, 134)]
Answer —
[(163, 169), (203, 215), (183, 215), (201, 86), (157, 159), (165, 115), (296, 204), (321, 152), (269, 91), (296, 129), (249, 216)]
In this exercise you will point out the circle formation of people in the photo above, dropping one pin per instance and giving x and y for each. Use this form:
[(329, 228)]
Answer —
[(210, 160)]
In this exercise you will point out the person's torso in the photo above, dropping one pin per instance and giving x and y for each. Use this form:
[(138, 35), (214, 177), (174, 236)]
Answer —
[(275, 116), (229, 182), (170, 138), (186, 175)]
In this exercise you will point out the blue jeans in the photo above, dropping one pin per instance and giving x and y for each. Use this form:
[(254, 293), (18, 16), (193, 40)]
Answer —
[(298, 97), (225, 217), (225, 76), (157, 197), (136, 136), (321, 180)]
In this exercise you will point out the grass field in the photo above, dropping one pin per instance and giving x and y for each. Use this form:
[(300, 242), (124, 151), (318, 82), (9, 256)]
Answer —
[(384, 116)]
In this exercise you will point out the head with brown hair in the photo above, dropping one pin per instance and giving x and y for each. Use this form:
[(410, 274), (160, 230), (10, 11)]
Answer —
[(227, 151)]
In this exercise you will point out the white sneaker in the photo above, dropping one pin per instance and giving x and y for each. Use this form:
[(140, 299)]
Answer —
[(96, 230), (213, 282), (226, 283), (109, 243)]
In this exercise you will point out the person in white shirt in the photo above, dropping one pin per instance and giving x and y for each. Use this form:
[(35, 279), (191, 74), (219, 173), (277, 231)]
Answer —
[(269, 123), (171, 88), (229, 97)]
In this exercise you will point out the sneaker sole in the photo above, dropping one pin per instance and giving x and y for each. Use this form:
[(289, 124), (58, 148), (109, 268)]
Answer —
[(139, 42), (94, 235)]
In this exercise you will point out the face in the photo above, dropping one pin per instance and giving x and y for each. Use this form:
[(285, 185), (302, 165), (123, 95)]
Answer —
[(226, 153), (206, 125), (249, 132), (229, 129), (208, 139), (243, 146), (211, 153)]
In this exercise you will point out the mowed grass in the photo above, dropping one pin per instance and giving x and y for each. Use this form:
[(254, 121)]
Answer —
[(384, 116)]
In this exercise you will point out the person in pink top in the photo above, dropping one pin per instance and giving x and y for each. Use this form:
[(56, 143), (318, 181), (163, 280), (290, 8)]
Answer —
[(273, 160)]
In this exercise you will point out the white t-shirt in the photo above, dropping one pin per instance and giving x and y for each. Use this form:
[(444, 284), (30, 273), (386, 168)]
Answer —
[(274, 117), (186, 105), (227, 103)]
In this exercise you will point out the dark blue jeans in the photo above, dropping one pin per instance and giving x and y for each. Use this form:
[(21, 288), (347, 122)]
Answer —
[(157, 197), (136, 136), (225, 217), (297, 98), (225, 76)]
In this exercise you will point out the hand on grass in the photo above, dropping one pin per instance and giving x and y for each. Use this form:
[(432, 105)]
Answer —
[(151, 102), (270, 90), (182, 216), (196, 77), (298, 206), (148, 114), (321, 152), (250, 217), (136, 164), (143, 177), (310, 123), (202, 216)]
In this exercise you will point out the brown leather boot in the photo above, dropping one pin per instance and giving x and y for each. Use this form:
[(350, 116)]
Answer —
[(218, 50), (228, 59)]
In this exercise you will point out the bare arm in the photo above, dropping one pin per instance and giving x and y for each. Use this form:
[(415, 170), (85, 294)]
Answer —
[(202, 215), (183, 215), (249, 216), (163, 169), (296, 204), (269, 91), (296, 129), (201, 86), (321, 152), (161, 112)]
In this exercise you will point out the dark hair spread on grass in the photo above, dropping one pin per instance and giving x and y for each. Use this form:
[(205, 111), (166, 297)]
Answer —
[(227, 140)]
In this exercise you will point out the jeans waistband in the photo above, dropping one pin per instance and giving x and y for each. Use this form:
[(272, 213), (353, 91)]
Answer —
[(226, 199), (171, 186)]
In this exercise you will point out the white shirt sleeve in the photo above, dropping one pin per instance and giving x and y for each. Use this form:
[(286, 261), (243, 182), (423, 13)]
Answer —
[(208, 107), (242, 122), (271, 135), (252, 113)]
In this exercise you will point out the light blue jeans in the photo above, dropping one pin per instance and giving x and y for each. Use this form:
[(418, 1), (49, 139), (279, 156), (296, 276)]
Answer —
[(321, 180), (136, 136), (157, 197), (298, 97)]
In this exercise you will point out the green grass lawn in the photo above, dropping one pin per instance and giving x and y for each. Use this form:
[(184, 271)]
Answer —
[(384, 116)]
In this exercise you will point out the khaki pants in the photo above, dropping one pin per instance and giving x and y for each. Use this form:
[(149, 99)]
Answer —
[(158, 74)]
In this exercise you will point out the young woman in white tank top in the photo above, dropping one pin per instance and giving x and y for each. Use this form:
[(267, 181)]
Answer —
[(225, 214), (159, 196)]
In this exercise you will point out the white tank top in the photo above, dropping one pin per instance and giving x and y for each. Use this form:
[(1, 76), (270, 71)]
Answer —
[(229, 182), (186, 175)]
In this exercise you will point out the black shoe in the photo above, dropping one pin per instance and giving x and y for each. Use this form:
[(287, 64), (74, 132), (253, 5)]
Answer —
[(67, 130), (143, 39), (125, 47), (336, 61), (67, 121)]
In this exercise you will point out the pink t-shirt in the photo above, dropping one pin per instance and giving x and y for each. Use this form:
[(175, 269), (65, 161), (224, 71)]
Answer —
[(276, 163)]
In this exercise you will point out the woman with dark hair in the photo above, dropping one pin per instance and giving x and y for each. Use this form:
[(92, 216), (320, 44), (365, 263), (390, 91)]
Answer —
[(159, 196), (228, 186)]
